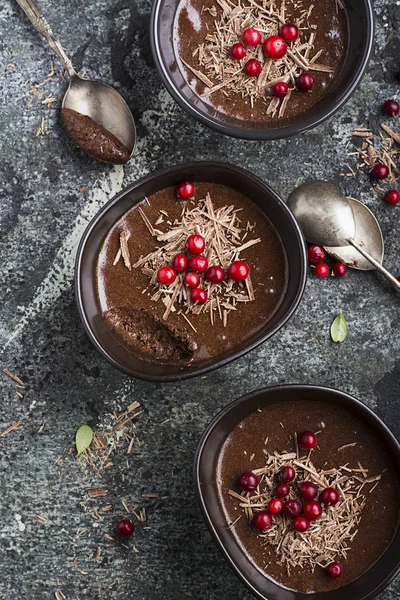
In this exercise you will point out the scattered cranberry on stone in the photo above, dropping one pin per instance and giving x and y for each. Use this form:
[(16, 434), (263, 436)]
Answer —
[(262, 520), (280, 89), (329, 496), (307, 440), (292, 509), (179, 264), (215, 274), (316, 254), (185, 190), (322, 270), (281, 490), (253, 67), (238, 51), (305, 82), (312, 510), (300, 524), (308, 490), (166, 275), (392, 197), (380, 171), (199, 296), (287, 474), (275, 506), (275, 47), (192, 280), (195, 244), (334, 570), (125, 527), (239, 270), (391, 108), (248, 482), (339, 269), (290, 32), (251, 36), (198, 263)]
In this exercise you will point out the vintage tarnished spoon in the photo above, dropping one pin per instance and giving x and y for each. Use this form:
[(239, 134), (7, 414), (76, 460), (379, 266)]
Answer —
[(95, 99), (326, 218)]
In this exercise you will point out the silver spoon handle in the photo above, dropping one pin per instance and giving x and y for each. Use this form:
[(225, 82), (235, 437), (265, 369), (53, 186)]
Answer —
[(395, 282), (40, 23)]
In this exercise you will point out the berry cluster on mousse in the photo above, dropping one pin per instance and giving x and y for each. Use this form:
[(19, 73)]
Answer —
[(199, 267), (275, 47), (316, 511), (317, 256)]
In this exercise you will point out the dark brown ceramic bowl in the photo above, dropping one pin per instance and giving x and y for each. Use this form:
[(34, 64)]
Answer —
[(364, 588), (361, 35), (234, 177)]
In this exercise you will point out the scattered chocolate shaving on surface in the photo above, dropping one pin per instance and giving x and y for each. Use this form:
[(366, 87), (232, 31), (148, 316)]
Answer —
[(96, 492), (11, 428), (123, 240), (13, 377), (330, 536)]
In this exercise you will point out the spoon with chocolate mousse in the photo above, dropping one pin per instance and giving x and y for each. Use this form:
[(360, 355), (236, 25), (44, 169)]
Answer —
[(95, 115)]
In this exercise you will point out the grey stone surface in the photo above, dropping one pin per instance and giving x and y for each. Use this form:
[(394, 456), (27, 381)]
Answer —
[(48, 192)]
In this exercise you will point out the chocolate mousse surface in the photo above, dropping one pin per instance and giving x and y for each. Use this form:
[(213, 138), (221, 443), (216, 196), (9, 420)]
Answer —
[(94, 139), (343, 441), (131, 300), (202, 47)]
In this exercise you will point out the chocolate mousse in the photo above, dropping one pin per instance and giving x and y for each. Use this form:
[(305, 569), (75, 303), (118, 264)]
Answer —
[(309, 493), (261, 61), (94, 139), (184, 280)]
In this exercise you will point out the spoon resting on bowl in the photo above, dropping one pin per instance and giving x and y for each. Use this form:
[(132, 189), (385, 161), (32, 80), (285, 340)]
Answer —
[(326, 218), (95, 115)]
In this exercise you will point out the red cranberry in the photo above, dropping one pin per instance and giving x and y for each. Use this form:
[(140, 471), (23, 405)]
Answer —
[(275, 506), (192, 280), (248, 482), (198, 263), (125, 527), (179, 264), (280, 89), (380, 171), (391, 108), (253, 67), (339, 269), (166, 275), (292, 509), (251, 36), (329, 496), (334, 570), (312, 510), (290, 32), (239, 270), (199, 295), (307, 440), (316, 254), (282, 490), (238, 51), (287, 474), (195, 244), (305, 82), (185, 190), (275, 46), (262, 520), (300, 524), (392, 197), (308, 490), (322, 270), (215, 274)]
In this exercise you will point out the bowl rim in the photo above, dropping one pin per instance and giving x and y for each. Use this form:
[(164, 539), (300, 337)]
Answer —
[(194, 372), (261, 134), (349, 400)]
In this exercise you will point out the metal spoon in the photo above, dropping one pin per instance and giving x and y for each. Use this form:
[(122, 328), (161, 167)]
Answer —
[(99, 101), (326, 217)]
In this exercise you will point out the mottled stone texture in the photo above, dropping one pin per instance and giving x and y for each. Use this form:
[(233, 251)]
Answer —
[(49, 190)]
